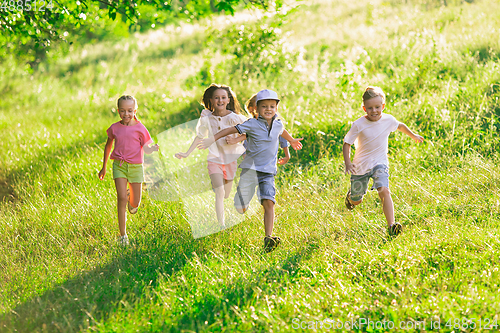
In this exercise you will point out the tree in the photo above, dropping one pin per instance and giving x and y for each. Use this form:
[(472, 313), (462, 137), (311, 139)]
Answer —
[(29, 28)]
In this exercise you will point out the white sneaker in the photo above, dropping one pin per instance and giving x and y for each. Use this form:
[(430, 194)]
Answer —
[(131, 210), (123, 240)]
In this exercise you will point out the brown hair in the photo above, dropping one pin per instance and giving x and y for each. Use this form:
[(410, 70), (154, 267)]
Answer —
[(371, 92), (233, 105), (127, 98), (251, 104)]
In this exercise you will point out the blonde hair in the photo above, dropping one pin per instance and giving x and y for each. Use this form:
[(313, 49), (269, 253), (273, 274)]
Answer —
[(371, 92), (128, 98), (251, 104), (233, 104)]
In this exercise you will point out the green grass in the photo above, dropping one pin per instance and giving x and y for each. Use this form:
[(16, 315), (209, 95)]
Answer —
[(61, 270)]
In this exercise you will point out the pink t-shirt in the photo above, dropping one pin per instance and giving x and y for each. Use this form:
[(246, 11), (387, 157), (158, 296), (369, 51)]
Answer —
[(129, 141)]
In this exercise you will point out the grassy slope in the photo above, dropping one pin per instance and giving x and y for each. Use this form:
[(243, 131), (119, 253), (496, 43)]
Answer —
[(61, 270)]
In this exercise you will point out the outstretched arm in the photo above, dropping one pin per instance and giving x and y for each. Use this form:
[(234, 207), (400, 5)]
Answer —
[(195, 143), (295, 143), (203, 144), (150, 149), (107, 150), (346, 151), (403, 128)]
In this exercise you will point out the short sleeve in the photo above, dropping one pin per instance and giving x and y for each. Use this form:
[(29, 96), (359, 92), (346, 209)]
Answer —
[(394, 124), (202, 127), (352, 134), (145, 137), (245, 127), (110, 133), (283, 142), (205, 113)]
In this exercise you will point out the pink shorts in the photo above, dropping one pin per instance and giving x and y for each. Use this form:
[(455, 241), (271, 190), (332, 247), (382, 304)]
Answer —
[(228, 170)]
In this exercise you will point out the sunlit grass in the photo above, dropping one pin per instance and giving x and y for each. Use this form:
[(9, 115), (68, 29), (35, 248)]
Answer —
[(61, 270)]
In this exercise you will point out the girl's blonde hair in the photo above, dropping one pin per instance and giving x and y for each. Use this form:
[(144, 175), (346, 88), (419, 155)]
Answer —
[(233, 104), (251, 106), (371, 92), (128, 98)]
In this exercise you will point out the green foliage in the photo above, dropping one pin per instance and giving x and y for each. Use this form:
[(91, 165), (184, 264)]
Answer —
[(62, 271)]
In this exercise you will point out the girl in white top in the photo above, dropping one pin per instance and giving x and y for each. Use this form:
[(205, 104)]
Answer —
[(222, 110)]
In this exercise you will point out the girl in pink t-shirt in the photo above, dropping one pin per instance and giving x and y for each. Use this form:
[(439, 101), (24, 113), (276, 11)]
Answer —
[(222, 111), (132, 140)]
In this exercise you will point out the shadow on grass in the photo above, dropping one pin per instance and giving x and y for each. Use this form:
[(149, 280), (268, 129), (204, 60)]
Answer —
[(267, 282), (93, 296)]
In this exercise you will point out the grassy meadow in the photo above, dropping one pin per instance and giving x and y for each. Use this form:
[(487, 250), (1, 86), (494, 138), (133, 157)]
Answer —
[(61, 269)]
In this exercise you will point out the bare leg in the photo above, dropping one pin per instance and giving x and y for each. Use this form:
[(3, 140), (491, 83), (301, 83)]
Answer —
[(217, 185), (121, 195), (228, 184), (268, 216), (387, 204), (135, 194)]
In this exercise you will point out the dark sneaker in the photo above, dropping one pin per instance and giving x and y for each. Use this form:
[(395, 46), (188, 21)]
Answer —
[(347, 202), (271, 242), (395, 229)]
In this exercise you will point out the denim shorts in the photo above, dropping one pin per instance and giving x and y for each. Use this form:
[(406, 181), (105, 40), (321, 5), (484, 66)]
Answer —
[(249, 179), (359, 184), (134, 173)]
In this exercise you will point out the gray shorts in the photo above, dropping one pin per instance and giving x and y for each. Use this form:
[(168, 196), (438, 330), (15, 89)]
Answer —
[(359, 184), (249, 179)]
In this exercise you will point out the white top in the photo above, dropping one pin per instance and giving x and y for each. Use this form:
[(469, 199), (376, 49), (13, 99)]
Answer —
[(371, 139), (209, 125)]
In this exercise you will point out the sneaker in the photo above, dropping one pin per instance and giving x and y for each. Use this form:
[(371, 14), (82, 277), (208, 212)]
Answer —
[(347, 201), (123, 240), (395, 229), (131, 210), (271, 242)]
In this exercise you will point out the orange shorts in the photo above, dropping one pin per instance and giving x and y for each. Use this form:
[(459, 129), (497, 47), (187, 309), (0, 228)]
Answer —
[(227, 170)]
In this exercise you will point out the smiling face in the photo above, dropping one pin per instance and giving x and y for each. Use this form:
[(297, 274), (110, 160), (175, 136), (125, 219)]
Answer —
[(127, 111), (219, 100), (373, 108), (267, 108)]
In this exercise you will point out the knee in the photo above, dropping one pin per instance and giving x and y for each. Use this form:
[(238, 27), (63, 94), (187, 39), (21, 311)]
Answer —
[(383, 192), (219, 191), (122, 197), (268, 204)]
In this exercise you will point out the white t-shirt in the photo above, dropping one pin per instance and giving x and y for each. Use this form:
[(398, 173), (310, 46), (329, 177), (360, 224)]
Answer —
[(371, 139), (209, 125)]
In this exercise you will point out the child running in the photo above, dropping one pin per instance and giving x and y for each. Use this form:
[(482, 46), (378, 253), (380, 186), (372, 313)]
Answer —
[(259, 166), (132, 140), (222, 110), (252, 109), (370, 134)]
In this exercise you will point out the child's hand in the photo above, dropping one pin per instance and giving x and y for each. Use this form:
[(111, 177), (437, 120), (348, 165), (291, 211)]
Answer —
[(102, 173), (283, 160), (155, 147), (350, 169), (181, 155), (418, 138), (205, 143), (295, 143), (231, 141)]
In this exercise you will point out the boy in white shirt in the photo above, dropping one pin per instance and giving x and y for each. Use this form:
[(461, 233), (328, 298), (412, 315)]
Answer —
[(370, 135)]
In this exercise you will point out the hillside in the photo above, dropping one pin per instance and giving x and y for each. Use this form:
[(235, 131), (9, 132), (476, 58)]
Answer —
[(62, 271)]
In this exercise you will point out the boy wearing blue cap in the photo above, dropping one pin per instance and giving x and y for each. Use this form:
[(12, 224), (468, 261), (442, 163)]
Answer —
[(259, 165)]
